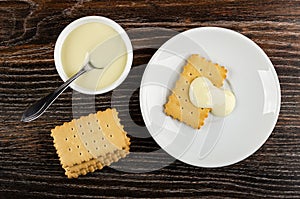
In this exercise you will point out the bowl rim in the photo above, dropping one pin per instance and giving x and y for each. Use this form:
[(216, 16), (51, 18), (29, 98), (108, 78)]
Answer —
[(84, 20)]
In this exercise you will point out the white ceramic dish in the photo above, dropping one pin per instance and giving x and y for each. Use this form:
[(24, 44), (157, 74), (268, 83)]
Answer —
[(221, 141), (75, 24)]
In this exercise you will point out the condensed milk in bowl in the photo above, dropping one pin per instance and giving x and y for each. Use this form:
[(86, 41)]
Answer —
[(79, 39)]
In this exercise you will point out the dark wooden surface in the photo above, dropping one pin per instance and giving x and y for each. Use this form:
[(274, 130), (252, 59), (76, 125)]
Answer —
[(29, 166)]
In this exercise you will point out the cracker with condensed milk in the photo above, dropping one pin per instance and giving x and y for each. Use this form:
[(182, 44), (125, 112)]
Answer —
[(178, 104)]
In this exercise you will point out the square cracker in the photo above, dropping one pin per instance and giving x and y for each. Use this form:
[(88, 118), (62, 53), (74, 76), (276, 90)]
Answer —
[(91, 142), (178, 105)]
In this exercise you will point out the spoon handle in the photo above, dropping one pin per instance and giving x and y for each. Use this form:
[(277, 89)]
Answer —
[(39, 107)]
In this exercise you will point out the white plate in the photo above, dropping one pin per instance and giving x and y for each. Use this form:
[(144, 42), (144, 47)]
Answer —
[(221, 141)]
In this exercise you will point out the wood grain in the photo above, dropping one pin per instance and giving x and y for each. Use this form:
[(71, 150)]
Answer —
[(29, 166)]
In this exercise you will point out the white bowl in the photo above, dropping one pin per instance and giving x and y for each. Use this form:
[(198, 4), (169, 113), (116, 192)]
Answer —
[(68, 29)]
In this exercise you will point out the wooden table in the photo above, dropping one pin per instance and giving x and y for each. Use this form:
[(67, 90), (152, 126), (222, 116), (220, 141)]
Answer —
[(29, 166)]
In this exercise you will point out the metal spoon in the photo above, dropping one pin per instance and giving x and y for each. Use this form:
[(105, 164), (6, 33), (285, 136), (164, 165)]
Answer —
[(107, 57), (38, 108)]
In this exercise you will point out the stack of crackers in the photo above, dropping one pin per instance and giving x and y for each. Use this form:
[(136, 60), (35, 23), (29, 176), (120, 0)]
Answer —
[(179, 105), (91, 142)]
